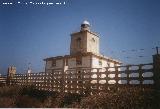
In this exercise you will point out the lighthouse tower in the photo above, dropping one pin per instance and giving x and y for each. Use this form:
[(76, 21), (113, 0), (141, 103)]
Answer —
[(84, 41)]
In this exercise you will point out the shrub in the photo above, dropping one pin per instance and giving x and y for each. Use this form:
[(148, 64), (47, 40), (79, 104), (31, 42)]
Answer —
[(28, 102), (121, 98), (7, 102)]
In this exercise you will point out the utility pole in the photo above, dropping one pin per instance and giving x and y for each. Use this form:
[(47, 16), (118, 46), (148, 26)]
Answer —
[(156, 69), (157, 50)]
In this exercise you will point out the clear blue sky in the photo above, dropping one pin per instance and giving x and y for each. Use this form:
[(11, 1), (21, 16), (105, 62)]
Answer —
[(32, 33)]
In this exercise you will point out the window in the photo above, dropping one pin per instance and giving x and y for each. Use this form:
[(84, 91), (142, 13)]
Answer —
[(79, 61), (100, 62), (93, 40), (79, 42), (108, 65), (54, 63)]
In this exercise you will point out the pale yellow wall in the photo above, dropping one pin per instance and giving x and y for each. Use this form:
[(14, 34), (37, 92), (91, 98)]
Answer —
[(87, 43), (73, 47), (48, 64), (59, 64), (91, 45), (85, 62), (71, 62)]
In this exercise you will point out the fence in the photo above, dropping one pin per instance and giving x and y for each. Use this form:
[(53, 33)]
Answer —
[(88, 80), (3, 79), (92, 80)]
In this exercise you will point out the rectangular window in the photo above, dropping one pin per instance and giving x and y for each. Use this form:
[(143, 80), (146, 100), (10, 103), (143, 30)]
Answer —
[(100, 62), (54, 63), (78, 60)]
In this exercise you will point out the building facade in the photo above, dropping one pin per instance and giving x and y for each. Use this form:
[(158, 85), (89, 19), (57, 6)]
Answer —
[(84, 53)]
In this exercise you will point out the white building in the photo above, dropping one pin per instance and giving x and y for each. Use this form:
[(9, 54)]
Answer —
[(84, 53)]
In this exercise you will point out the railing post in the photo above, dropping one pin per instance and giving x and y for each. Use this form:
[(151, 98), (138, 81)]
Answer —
[(62, 80), (107, 78), (27, 79), (140, 74), (156, 71), (128, 73), (98, 79), (116, 75)]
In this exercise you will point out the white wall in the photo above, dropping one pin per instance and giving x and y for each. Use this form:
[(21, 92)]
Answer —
[(111, 64), (95, 62), (104, 63), (86, 62)]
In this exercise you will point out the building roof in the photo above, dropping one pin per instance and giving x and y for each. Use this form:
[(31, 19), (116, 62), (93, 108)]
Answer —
[(94, 33), (86, 22), (85, 54)]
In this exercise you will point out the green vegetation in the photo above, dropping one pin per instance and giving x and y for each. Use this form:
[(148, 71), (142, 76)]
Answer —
[(123, 98)]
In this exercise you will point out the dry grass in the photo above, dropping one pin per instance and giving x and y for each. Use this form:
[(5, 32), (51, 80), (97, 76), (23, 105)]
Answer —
[(124, 98)]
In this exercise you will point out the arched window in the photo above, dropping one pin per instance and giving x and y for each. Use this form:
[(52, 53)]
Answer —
[(78, 60), (53, 62), (78, 42)]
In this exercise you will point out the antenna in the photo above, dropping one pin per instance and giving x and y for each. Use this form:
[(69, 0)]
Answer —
[(29, 65), (29, 68)]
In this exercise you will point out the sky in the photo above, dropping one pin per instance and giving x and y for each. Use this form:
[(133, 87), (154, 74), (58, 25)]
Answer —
[(128, 30)]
